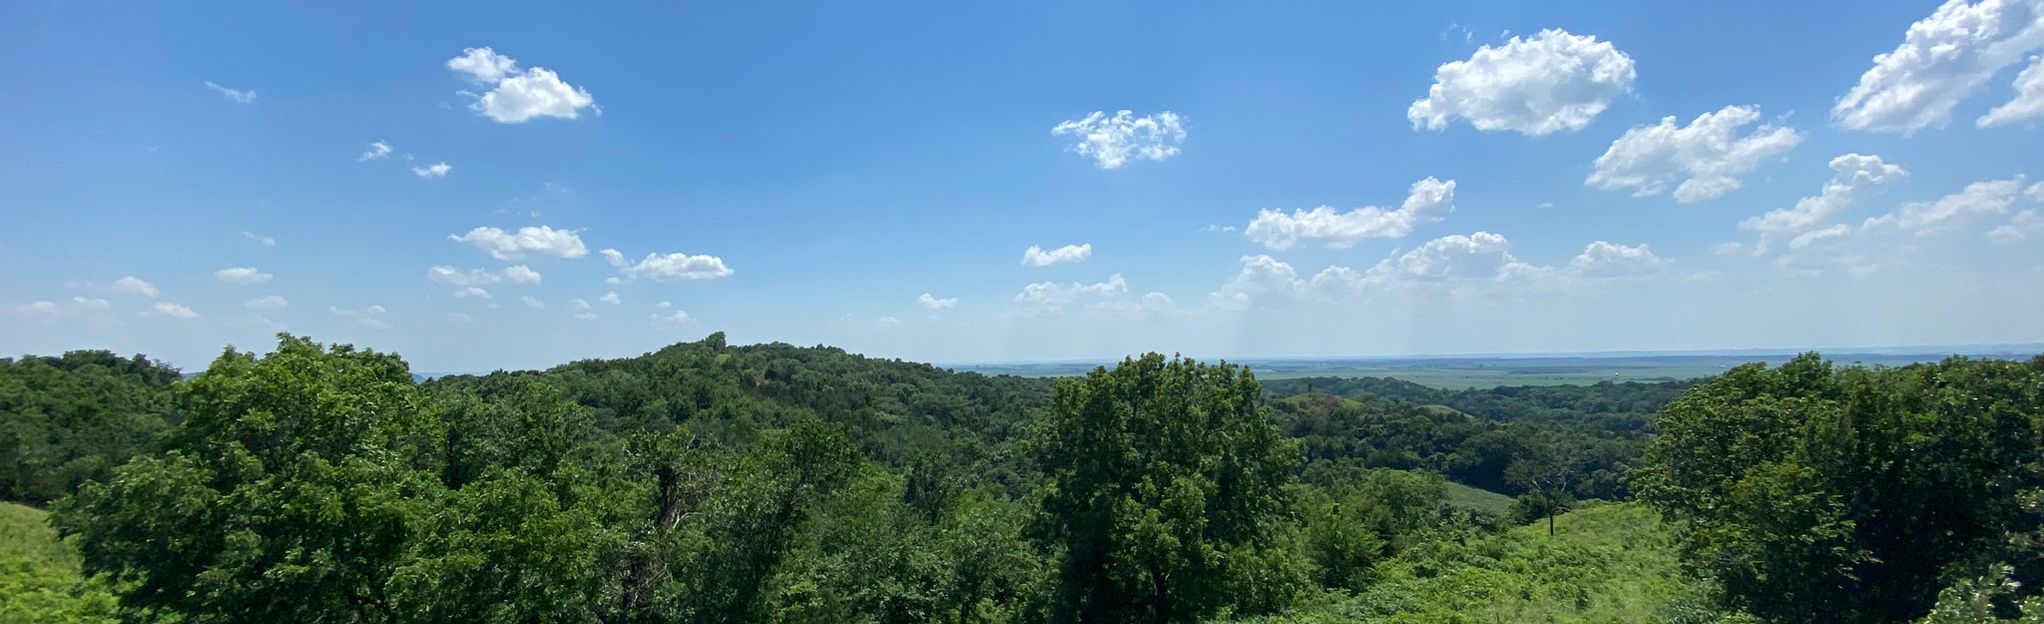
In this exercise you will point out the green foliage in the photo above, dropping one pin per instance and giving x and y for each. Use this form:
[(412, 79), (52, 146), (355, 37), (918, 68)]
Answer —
[(1606, 563), (1817, 494), (71, 419), (1167, 493), (39, 576)]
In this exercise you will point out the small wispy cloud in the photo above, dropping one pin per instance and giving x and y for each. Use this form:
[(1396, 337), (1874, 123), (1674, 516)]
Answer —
[(242, 96)]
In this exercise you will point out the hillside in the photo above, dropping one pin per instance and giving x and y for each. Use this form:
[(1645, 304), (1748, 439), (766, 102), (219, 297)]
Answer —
[(39, 577)]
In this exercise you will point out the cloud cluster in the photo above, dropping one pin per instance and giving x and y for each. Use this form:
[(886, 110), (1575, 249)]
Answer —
[(1944, 59), (674, 266), (1550, 82), (1428, 201), (1112, 141), (1855, 177), (1036, 257), (538, 240), (241, 275), (518, 95), (933, 303), (1703, 160), (1053, 295)]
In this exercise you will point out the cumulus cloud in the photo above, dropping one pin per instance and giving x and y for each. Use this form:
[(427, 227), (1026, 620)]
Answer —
[(580, 304), (1550, 82), (610, 298), (135, 285), (2019, 228), (1035, 256), (520, 274), (677, 317), (377, 150), (1704, 159), (241, 275), (1262, 277), (37, 308), (1992, 197), (433, 171), (614, 257), (1428, 201), (518, 95), (92, 304), (472, 291), (1855, 178), (1112, 141), (678, 266), (1819, 235), (533, 303), (1602, 258), (1053, 295), (267, 302), (934, 303), (1943, 59), (585, 316), (2029, 100), (539, 240), (172, 310), (1455, 255), (259, 239), (240, 96)]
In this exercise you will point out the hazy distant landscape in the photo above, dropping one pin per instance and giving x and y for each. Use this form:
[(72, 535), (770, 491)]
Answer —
[(1481, 371)]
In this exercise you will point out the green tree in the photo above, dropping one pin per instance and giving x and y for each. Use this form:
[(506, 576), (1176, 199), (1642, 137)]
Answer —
[(1168, 493), (289, 493), (1818, 494)]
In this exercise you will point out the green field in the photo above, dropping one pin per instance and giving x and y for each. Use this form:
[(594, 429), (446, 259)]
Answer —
[(39, 577), (1477, 499)]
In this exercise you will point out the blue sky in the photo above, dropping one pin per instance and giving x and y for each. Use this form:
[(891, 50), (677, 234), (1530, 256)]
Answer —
[(814, 170)]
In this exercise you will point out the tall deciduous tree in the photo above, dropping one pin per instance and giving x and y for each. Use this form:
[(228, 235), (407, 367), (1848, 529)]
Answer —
[(1168, 493)]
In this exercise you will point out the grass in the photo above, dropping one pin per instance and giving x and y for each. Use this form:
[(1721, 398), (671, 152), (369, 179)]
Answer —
[(39, 575), (1606, 563), (1477, 499)]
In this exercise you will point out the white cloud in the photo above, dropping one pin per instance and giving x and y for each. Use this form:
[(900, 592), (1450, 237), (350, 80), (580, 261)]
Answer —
[(1992, 197), (533, 303), (472, 291), (664, 305), (1943, 59), (242, 96), (1551, 82), (373, 309), (1454, 255), (93, 304), (610, 298), (1727, 249), (377, 150), (674, 266), (241, 275), (614, 257), (541, 240), (2029, 100), (1053, 295), (135, 285), (37, 308), (677, 317), (585, 316), (1112, 141), (934, 303), (1602, 258), (267, 301), (581, 305), (1262, 276), (259, 239), (1816, 236), (456, 277), (165, 308), (1428, 201), (433, 171), (1855, 177), (1035, 256), (519, 95), (1704, 159), (520, 274), (2021, 227)]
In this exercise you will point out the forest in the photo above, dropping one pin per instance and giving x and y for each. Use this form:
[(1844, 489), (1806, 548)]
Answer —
[(707, 482)]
